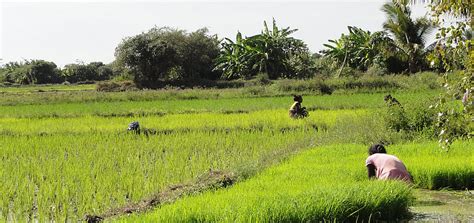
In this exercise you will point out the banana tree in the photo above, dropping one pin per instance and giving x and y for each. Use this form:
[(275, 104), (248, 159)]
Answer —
[(267, 52), (358, 49)]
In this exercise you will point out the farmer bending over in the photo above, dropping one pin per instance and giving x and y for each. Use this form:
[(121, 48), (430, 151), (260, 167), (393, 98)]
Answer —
[(383, 166), (296, 111), (391, 101)]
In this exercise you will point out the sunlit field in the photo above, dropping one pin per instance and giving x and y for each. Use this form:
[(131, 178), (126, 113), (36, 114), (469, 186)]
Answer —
[(200, 111), (64, 160), (325, 183)]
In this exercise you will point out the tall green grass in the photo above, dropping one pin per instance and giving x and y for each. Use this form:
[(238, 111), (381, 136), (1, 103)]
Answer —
[(64, 155), (63, 177), (30, 89), (324, 184), (263, 119), (228, 105), (47, 94)]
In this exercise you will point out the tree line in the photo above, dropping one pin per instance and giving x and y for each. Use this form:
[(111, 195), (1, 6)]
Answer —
[(46, 72), (170, 54)]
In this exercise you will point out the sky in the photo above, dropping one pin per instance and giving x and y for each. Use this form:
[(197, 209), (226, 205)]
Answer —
[(71, 31)]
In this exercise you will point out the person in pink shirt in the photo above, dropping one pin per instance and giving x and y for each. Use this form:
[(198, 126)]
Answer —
[(384, 166)]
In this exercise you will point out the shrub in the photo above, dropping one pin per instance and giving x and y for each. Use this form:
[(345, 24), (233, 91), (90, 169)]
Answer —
[(169, 54), (311, 85), (377, 70), (416, 117), (111, 86)]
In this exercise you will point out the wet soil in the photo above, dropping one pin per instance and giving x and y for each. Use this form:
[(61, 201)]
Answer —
[(443, 206)]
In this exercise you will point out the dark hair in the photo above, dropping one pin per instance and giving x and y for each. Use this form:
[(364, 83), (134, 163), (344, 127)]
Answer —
[(298, 98), (377, 148)]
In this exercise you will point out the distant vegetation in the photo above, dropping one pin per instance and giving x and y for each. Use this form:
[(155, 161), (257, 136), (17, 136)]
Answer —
[(166, 56), (169, 54), (44, 72)]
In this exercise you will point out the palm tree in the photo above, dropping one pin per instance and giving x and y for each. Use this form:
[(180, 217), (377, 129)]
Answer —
[(409, 35)]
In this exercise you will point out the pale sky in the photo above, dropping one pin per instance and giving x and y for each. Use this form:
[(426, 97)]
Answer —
[(70, 31)]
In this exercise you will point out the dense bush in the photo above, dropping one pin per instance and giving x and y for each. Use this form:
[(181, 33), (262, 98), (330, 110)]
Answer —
[(414, 117), (30, 72), (169, 54), (94, 71), (110, 86), (311, 85)]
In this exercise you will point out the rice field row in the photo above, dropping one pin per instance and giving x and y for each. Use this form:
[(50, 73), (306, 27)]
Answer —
[(324, 184), (264, 119), (227, 105), (63, 168), (63, 177), (63, 159)]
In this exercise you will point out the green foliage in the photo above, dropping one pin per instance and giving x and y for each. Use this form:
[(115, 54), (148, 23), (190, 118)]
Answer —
[(99, 171), (310, 86), (455, 117), (416, 116), (444, 56), (358, 49), (362, 49), (317, 186), (454, 41), (101, 165), (94, 71), (168, 54), (30, 72), (66, 152), (325, 66), (273, 52), (110, 86), (409, 35)]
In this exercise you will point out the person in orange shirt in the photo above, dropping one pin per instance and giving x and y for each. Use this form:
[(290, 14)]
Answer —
[(384, 166)]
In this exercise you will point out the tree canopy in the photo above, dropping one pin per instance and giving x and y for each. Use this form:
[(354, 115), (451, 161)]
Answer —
[(31, 72), (169, 54), (273, 52)]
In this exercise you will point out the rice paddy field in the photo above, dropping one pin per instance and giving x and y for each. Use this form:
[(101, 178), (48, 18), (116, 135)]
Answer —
[(327, 183), (66, 154)]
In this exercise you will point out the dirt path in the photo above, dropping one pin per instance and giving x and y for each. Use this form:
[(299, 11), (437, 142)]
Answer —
[(443, 206)]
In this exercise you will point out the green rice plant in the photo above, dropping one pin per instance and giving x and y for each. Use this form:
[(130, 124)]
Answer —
[(62, 177), (47, 94), (433, 168), (132, 108), (324, 184), (67, 154), (268, 119)]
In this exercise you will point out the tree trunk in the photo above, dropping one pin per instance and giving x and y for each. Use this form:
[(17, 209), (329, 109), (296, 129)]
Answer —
[(343, 65)]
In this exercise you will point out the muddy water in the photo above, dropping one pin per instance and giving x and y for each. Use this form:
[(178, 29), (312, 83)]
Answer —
[(443, 206)]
